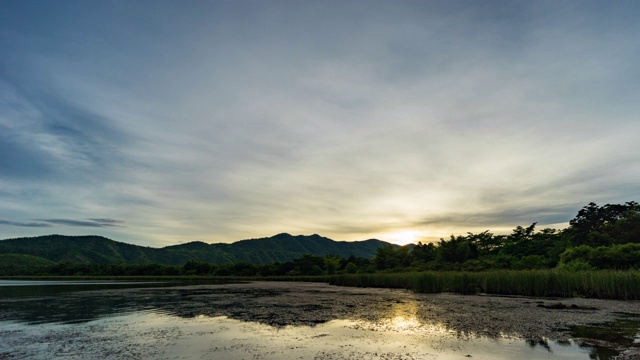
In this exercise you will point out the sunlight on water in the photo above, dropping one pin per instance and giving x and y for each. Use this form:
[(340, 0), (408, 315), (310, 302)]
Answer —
[(398, 338), (153, 335), (212, 322), (404, 324)]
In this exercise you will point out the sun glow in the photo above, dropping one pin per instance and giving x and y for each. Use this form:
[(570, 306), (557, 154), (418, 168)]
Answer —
[(405, 324), (404, 237)]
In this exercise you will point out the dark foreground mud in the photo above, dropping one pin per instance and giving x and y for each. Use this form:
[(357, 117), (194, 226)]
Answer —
[(267, 320)]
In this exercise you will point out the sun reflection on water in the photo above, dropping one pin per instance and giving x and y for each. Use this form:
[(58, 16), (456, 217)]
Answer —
[(402, 323), (402, 317)]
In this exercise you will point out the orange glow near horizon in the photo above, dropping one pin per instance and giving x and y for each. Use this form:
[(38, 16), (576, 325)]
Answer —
[(403, 237)]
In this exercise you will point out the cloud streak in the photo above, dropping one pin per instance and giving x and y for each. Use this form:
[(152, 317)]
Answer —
[(97, 223), (24, 224)]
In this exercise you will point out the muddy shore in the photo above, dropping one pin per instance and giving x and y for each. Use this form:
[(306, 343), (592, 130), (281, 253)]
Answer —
[(281, 305), (533, 319)]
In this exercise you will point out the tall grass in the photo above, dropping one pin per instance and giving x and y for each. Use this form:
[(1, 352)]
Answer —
[(604, 284)]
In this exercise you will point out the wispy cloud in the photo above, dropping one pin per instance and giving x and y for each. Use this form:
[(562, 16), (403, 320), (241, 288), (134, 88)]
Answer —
[(48, 136), (219, 121), (113, 222), (24, 224), (98, 223)]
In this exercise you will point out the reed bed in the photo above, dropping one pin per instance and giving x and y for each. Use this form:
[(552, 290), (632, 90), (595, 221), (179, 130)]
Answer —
[(603, 284)]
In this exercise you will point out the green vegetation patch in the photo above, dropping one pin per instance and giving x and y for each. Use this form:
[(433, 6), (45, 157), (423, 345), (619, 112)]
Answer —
[(18, 264), (603, 284)]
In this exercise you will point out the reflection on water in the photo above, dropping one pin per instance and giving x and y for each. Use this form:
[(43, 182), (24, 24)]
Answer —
[(151, 335), (22, 288), (403, 317), (103, 284), (116, 320), (625, 333)]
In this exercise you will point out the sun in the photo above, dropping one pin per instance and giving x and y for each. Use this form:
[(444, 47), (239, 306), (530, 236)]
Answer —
[(404, 237)]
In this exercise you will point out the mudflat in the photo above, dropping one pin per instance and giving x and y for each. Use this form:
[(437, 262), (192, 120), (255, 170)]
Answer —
[(308, 320)]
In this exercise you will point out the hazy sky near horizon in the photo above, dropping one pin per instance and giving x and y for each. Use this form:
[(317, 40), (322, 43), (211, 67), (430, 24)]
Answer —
[(162, 122)]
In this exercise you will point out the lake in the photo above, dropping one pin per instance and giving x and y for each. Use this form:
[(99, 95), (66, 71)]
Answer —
[(278, 320)]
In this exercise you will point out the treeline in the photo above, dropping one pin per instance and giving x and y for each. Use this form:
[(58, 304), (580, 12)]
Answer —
[(599, 237), (307, 265)]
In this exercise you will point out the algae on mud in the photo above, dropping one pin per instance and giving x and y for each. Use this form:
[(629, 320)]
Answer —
[(271, 320)]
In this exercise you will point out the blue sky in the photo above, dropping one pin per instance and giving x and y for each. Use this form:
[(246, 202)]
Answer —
[(162, 122)]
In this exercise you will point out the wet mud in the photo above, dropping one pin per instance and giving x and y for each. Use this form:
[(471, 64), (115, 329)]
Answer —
[(270, 320)]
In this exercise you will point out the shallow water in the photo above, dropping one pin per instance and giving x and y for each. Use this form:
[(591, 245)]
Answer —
[(252, 322), (154, 335)]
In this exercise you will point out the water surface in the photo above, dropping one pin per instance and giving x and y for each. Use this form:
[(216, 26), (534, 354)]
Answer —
[(91, 320)]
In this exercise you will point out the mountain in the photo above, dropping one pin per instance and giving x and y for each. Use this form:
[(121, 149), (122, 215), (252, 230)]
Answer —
[(100, 250), (16, 264)]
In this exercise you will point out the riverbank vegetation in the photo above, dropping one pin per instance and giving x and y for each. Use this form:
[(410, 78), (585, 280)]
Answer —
[(602, 284), (598, 255)]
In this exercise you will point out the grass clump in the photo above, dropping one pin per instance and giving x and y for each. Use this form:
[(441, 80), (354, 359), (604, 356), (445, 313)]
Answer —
[(602, 284)]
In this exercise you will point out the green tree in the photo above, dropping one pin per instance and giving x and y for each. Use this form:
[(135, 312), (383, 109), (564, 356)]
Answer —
[(307, 265), (424, 252), (486, 243), (195, 267), (390, 258), (597, 225), (457, 249), (351, 268), (331, 264)]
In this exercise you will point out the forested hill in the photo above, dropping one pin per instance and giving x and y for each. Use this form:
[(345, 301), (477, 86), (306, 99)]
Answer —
[(100, 250)]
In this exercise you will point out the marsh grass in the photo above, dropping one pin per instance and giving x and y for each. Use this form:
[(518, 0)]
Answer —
[(605, 284), (602, 284)]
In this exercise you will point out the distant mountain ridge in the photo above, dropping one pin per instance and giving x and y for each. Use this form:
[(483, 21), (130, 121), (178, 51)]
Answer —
[(100, 250)]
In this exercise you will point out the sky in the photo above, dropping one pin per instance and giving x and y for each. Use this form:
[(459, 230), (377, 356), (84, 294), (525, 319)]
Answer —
[(163, 122)]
